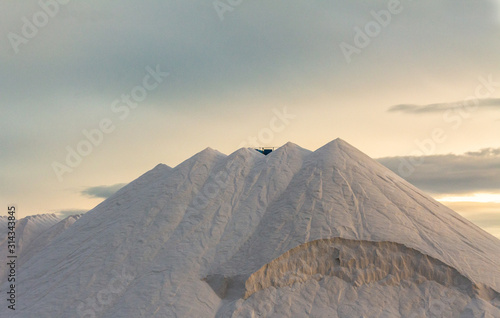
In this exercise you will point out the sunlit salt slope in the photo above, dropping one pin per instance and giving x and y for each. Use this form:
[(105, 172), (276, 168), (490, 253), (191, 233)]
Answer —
[(329, 233)]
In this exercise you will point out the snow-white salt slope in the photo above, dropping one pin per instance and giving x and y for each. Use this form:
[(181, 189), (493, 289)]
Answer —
[(27, 230), (329, 233)]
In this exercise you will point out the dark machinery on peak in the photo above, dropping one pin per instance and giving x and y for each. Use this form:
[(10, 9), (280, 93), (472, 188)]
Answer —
[(265, 150)]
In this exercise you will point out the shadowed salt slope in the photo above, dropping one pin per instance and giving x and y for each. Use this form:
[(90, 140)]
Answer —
[(27, 230), (163, 245), (46, 237)]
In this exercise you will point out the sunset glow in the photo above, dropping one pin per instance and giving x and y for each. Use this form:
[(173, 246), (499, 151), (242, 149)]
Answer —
[(476, 197)]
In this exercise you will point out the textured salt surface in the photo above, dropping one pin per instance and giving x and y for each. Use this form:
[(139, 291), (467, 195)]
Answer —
[(329, 233)]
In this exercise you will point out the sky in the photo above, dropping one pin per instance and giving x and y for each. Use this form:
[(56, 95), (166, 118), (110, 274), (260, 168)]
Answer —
[(95, 93)]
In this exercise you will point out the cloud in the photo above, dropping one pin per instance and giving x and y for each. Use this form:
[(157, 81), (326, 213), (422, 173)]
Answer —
[(102, 191), (477, 171), (486, 152), (442, 107), (62, 214)]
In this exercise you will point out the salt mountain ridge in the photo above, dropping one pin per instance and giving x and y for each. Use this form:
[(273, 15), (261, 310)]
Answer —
[(329, 233)]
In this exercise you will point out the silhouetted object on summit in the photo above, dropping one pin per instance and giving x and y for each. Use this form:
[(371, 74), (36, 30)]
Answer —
[(265, 150)]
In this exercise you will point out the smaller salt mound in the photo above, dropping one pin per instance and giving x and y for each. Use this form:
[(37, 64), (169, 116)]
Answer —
[(360, 263), (46, 237), (27, 230)]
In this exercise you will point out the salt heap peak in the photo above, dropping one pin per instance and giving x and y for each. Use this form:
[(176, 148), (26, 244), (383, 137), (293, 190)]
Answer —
[(329, 233)]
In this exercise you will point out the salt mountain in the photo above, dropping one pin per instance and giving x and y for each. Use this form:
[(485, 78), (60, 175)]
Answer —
[(329, 233)]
